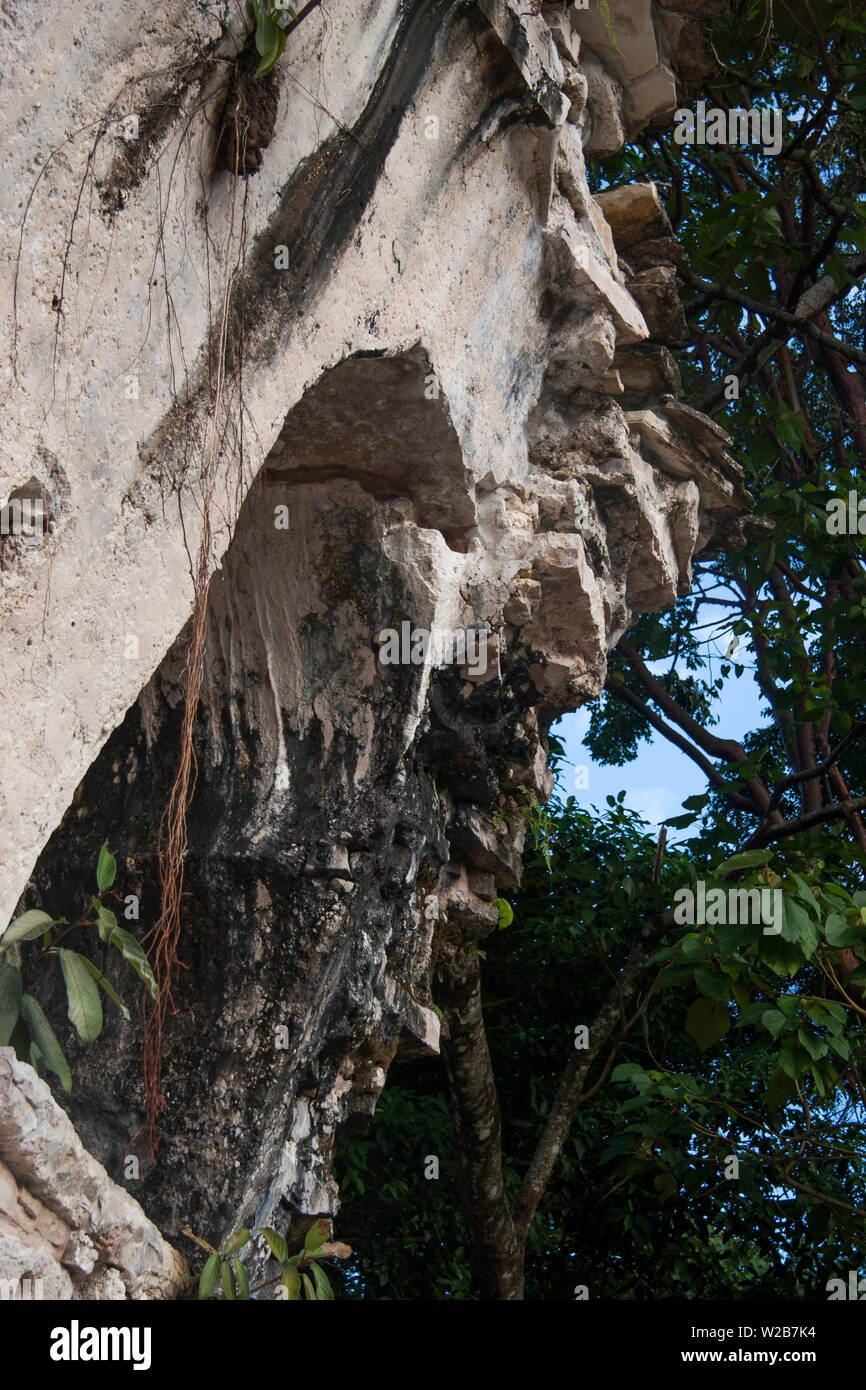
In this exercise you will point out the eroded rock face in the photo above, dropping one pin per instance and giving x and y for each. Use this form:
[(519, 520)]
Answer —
[(456, 413), (66, 1230)]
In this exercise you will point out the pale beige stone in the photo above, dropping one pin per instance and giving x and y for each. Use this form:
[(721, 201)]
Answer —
[(39, 1144)]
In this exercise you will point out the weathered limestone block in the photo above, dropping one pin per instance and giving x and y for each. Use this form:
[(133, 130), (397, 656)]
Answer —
[(650, 97), (29, 1267), (688, 46), (642, 233), (648, 370), (635, 214), (80, 1217), (655, 290), (631, 49), (531, 44), (604, 108)]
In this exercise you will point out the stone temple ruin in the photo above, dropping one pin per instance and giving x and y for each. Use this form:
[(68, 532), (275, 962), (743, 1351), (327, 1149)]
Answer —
[(409, 369)]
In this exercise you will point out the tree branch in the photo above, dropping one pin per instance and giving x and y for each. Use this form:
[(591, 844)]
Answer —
[(729, 749), (805, 822), (568, 1095), (478, 1131), (614, 685)]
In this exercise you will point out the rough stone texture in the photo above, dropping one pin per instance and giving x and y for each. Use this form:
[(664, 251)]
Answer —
[(66, 1230), (460, 391)]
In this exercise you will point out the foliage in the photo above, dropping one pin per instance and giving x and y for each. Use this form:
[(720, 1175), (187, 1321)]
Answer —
[(762, 234), (407, 1230), (537, 821), (225, 1276), (22, 1021), (738, 1046), (270, 34)]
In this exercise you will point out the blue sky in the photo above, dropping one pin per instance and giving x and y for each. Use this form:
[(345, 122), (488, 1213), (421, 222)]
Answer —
[(659, 779)]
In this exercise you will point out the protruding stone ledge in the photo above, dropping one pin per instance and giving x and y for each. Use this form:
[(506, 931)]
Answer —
[(531, 45), (635, 213)]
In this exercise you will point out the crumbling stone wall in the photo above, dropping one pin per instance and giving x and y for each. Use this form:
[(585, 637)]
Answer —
[(449, 400)]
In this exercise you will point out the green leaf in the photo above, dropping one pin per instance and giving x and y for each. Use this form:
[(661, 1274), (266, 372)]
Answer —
[(106, 922), (784, 957), (270, 42), (134, 953), (46, 1040), (228, 1280), (805, 893), (323, 1283), (308, 1287), (291, 1281), (277, 1244), (749, 859), (506, 913), (20, 1041), (316, 1236), (838, 1012), (242, 1278), (26, 927), (209, 1276), (11, 995), (692, 945), (815, 1046), (793, 1060), (666, 1186), (773, 1021), (105, 985), (106, 869), (707, 1021), (85, 1005), (839, 933), (780, 1090), (626, 1071), (237, 1242), (790, 430), (715, 986), (795, 920)]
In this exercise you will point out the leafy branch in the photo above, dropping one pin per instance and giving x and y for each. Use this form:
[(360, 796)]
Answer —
[(225, 1276)]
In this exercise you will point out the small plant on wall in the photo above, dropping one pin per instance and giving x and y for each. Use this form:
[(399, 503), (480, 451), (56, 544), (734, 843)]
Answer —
[(22, 1021)]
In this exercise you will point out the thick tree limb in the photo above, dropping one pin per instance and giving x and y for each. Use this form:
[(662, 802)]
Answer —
[(806, 822), (814, 301), (819, 769)]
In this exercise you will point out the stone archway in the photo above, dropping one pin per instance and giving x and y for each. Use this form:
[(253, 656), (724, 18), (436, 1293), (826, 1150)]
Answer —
[(321, 817)]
